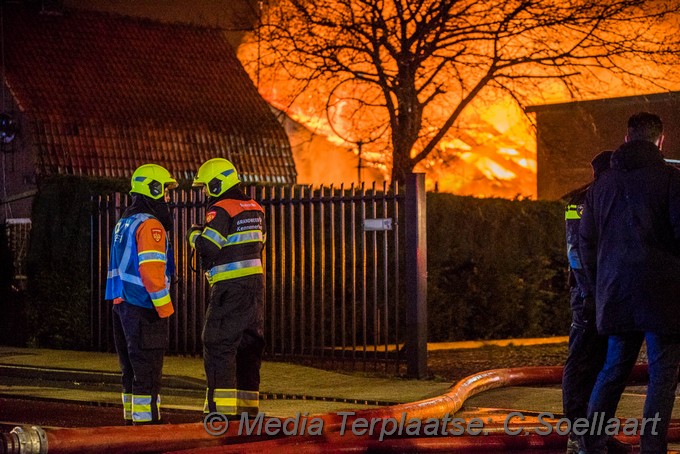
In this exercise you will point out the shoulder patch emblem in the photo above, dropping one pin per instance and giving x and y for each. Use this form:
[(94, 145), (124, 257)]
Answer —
[(157, 234), (579, 210), (210, 215)]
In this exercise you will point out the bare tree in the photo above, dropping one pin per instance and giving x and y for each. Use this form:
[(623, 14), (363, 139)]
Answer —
[(405, 70)]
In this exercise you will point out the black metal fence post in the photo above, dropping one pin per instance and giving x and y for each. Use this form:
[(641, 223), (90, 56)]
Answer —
[(416, 276)]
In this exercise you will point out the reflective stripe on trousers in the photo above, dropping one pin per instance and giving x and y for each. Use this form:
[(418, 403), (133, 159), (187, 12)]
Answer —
[(232, 402), (141, 408), (127, 406)]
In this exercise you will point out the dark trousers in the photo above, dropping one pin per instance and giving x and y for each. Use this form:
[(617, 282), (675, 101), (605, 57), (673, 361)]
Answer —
[(140, 337), (587, 352), (233, 343), (663, 356)]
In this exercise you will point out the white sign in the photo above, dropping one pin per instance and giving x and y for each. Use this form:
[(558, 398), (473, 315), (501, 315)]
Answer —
[(378, 224)]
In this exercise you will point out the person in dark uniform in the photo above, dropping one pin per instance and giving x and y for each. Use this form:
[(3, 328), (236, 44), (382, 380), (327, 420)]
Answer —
[(229, 247), (138, 283), (587, 349)]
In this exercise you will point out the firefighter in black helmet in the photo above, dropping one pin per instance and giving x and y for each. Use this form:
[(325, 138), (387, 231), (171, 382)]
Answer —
[(230, 246)]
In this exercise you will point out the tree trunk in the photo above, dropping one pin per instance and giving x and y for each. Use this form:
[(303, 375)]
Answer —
[(406, 127)]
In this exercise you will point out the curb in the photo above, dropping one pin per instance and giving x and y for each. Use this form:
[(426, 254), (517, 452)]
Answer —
[(91, 376), (185, 385)]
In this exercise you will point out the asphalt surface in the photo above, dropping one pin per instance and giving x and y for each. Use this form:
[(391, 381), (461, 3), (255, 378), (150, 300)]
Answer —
[(53, 388)]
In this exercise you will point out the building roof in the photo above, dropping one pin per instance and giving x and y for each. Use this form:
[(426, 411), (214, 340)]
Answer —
[(670, 96), (105, 93)]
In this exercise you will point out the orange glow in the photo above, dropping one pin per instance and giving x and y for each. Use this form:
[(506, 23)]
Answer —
[(487, 159), (493, 156), (489, 152)]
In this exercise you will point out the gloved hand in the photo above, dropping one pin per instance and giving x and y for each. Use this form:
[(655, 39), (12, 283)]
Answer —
[(193, 233)]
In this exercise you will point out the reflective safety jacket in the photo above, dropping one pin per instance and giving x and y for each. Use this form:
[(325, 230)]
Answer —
[(231, 242), (138, 268)]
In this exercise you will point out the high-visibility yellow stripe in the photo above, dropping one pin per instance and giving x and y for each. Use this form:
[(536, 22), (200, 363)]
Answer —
[(141, 408), (226, 275), (161, 301), (151, 256), (225, 401), (248, 402), (248, 236), (193, 236), (127, 406), (572, 212), (214, 236), (234, 270)]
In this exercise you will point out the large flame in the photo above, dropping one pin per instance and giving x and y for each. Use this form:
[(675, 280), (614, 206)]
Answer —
[(491, 151), (494, 156)]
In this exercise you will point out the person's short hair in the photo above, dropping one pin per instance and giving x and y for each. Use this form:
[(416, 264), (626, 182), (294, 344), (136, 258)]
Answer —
[(600, 163), (644, 126)]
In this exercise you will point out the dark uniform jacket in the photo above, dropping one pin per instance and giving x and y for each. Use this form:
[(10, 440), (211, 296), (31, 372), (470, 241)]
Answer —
[(630, 242), (578, 282), (580, 287), (231, 242)]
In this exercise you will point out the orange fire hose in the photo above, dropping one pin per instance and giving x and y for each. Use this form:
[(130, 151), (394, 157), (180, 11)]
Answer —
[(333, 443), (174, 437)]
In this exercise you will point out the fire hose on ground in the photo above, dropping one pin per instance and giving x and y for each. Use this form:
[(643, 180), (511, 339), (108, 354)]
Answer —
[(194, 438)]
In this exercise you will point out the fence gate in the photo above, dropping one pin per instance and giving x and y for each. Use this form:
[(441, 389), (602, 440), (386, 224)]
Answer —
[(332, 262)]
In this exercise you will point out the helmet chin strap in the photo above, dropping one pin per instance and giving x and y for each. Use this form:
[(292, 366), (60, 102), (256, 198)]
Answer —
[(161, 210)]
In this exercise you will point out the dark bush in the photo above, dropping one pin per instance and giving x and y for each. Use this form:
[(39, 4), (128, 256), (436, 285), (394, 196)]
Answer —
[(496, 268), (59, 261)]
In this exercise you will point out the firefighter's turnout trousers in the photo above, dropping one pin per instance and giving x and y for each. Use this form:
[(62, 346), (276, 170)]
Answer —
[(140, 336), (233, 342)]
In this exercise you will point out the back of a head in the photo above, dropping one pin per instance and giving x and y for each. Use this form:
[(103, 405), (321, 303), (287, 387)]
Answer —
[(644, 126), (600, 163)]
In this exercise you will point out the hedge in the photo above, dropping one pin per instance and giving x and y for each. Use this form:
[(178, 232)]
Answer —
[(58, 309), (496, 268)]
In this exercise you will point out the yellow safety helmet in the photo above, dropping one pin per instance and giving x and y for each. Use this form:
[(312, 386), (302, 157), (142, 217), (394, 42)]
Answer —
[(218, 175), (151, 180)]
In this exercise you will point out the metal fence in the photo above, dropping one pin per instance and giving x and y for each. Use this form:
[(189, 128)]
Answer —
[(332, 266)]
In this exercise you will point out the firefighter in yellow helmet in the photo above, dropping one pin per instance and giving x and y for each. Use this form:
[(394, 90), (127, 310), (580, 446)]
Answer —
[(229, 247), (140, 267)]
